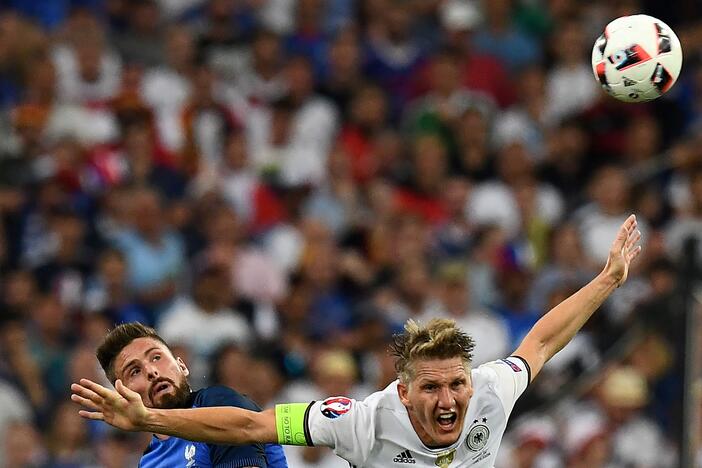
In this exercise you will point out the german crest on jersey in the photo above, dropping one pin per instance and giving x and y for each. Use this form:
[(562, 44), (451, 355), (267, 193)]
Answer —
[(335, 407), (478, 437)]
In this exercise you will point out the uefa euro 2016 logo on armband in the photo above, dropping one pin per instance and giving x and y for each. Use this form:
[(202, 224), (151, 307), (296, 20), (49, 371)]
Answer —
[(332, 408)]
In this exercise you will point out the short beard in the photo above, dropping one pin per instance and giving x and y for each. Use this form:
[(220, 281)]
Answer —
[(178, 399)]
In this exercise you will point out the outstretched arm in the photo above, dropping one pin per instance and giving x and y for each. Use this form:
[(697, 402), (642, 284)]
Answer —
[(125, 410), (555, 329)]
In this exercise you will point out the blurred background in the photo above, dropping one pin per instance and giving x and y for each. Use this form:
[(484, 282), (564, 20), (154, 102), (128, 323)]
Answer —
[(277, 185)]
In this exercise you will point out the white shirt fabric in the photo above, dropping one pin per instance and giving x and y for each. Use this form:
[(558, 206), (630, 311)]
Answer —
[(494, 202), (569, 91), (304, 159), (377, 432), (166, 92), (202, 332), (73, 88)]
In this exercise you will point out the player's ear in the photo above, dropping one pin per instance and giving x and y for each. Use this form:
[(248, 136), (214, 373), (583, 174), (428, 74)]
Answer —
[(182, 366), (403, 392)]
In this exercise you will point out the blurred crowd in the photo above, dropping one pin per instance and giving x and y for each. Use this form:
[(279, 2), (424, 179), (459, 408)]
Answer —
[(277, 185)]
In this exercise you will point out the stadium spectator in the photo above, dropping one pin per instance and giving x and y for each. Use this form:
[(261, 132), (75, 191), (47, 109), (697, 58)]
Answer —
[(204, 320), (154, 254)]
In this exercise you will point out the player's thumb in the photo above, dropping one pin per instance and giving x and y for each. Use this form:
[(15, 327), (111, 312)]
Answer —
[(128, 394)]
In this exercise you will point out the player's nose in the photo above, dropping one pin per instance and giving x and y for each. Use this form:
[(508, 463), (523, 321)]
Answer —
[(151, 372), (446, 400)]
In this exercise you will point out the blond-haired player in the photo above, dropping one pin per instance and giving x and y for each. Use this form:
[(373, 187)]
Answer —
[(439, 412)]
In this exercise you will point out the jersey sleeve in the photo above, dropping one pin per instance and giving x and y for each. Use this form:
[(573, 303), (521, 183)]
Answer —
[(510, 377), (231, 456), (344, 424)]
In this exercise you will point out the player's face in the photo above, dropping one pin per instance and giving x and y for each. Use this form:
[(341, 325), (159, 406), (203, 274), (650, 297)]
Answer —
[(437, 399), (147, 367)]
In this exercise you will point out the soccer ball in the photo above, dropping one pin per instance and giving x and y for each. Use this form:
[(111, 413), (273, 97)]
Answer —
[(637, 58)]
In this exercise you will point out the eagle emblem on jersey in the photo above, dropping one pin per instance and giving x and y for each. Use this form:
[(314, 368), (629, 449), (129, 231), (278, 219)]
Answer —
[(477, 438), (445, 459), (332, 408)]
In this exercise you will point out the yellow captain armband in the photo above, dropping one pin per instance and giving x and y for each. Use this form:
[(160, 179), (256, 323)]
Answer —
[(291, 423)]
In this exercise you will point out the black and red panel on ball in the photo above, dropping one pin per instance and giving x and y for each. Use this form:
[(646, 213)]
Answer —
[(661, 78), (601, 75), (632, 55), (663, 41)]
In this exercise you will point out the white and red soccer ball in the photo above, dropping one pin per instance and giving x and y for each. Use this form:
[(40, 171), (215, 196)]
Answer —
[(637, 58)]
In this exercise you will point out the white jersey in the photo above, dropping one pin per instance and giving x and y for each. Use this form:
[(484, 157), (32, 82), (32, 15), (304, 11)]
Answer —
[(377, 432)]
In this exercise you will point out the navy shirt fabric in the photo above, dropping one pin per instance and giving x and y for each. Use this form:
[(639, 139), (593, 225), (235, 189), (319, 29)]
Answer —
[(179, 453)]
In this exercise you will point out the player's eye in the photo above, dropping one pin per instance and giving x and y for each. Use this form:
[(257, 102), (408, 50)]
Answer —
[(430, 387), (457, 384), (134, 372), (156, 357)]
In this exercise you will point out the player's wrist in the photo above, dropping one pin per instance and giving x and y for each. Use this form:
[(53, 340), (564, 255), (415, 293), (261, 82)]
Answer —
[(151, 421), (608, 280)]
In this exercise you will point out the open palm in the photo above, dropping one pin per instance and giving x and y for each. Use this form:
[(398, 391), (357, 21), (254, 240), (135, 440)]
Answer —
[(122, 409)]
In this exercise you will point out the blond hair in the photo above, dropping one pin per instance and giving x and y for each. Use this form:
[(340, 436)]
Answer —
[(438, 339)]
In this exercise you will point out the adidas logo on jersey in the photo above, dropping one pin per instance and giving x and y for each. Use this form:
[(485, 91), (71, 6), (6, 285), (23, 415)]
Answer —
[(404, 457)]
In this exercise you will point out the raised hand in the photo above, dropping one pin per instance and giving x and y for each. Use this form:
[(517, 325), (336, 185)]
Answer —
[(122, 409), (625, 248)]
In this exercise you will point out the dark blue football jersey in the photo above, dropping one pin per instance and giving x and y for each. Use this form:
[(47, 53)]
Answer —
[(179, 453)]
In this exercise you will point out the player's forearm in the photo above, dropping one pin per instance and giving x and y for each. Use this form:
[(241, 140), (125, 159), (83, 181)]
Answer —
[(555, 329), (217, 425)]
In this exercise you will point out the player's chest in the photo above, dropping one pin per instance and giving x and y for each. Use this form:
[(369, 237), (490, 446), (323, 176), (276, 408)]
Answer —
[(177, 454), (479, 442)]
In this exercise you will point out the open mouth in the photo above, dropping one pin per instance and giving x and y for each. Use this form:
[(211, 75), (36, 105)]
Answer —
[(160, 388), (447, 421)]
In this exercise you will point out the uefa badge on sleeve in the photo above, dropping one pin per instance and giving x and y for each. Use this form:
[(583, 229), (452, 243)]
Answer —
[(335, 407)]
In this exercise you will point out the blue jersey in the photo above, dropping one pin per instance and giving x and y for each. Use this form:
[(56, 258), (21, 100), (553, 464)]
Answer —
[(179, 453)]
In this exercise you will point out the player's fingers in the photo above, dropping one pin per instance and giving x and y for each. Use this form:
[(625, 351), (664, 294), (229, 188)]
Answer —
[(97, 388), (85, 402), (633, 253), (630, 222), (620, 240), (86, 393), (94, 415), (127, 393), (633, 239), (626, 228)]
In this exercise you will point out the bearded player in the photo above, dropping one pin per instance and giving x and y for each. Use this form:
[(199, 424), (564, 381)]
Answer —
[(439, 412), (143, 361)]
